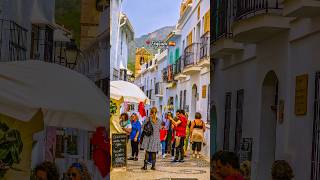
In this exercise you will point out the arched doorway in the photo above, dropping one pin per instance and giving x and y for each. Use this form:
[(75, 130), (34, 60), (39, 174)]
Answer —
[(193, 101), (268, 125)]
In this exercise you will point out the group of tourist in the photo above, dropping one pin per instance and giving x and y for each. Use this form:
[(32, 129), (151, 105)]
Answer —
[(225, 166), (49, 171), (169, 135)]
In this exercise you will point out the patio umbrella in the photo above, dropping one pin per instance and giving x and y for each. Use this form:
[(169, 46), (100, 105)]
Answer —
[(128, 91), (65, 97)]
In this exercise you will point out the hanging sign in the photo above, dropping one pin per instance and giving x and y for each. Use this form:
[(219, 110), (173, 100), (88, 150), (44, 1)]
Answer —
[(204, 91), (301, 96)]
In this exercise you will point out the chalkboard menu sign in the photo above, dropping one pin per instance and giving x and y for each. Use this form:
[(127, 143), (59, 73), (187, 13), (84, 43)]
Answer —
[(119, 150), (246, 149)]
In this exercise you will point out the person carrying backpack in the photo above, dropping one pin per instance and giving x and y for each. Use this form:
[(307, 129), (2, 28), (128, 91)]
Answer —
[(151, 140)]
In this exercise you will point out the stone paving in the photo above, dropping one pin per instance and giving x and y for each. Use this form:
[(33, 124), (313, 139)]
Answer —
[(190, 169)]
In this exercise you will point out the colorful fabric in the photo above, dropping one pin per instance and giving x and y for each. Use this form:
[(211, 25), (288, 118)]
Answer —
[(101, 151), (50, 144), (141, 110)]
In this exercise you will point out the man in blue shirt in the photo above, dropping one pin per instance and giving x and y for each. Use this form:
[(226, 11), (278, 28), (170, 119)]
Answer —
[(135, 137)]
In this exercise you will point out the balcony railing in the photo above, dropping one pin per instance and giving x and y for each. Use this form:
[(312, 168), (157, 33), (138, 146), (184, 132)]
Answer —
[(170, 73), (252, 7), (167, 73), (115, 74), (222, 19), (158, 88), (178, 66), (205, 46), (192, 55), (13, 41)]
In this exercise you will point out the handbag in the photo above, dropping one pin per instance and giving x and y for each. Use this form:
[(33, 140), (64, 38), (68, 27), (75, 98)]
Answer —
[(148, 128), (197, 135)]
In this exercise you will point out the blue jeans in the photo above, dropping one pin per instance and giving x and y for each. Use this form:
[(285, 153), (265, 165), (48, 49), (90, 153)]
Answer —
[(163, 147)]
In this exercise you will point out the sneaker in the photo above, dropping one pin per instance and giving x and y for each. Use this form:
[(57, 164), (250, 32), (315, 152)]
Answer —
[(181, 160), (193, 155), (132, 158), (175, 160), (135, 159), (163, 156), (198, 156), (172, 158)]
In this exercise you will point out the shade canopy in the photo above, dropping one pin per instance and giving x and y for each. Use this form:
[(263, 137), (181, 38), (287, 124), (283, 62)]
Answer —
[(65, 97), (128, 91)]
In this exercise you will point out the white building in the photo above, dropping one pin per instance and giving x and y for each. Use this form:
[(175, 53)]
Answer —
[(259, 93), (185, 74), (26, 30), (121, 34)]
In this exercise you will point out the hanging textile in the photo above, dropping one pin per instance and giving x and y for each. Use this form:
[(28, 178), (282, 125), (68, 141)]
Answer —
[(101, 151), (50, 148), (141, 110)]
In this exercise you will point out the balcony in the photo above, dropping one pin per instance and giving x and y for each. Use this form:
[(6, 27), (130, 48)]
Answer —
[(167, 74), (158, 89), (222, 44), (257, 20), (13, 41), (178, 70), (191, 59), (301, 8), (205, 50)]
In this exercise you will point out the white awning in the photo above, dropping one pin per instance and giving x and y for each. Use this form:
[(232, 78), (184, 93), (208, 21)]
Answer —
[(66, 98), (128, 91)]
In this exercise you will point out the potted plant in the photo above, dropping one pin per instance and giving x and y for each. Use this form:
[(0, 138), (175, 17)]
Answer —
[(10, 148)]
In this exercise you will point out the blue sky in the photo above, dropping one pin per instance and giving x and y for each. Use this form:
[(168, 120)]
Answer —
[(148, 15)]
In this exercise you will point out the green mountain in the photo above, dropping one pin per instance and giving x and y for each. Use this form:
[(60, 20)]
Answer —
[(145, 41), (68, 14)]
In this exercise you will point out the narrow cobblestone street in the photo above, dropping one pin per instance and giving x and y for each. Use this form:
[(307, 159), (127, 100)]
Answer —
[(190, 169)]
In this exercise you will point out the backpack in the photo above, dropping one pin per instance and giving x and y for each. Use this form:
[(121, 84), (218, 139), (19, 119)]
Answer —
[(148, 128)]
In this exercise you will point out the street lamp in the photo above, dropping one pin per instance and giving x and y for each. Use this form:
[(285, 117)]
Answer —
[(72, 54)]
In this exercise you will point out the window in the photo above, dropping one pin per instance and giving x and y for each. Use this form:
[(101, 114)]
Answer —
[(199, 12), (239, 119), (184, 99), (227, 119), (171, 58), (121, 44), (177, 55), (207, 22), (180, 100), (189, 38), (34, 54), (48, 44)]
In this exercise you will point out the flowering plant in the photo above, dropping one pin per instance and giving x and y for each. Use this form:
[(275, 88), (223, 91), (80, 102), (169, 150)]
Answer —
[(10, 148)]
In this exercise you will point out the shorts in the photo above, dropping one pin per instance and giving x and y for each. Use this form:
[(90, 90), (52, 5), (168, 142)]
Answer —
[(196, 146)]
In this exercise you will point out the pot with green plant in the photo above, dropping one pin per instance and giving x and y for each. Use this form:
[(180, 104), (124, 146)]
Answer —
[(10, 148)]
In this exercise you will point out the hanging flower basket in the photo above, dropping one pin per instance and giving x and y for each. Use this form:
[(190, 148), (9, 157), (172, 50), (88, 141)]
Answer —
[(113, 108), (10, 148)]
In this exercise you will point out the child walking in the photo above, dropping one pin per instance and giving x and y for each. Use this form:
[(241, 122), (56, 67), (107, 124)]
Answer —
[(163, 137)]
